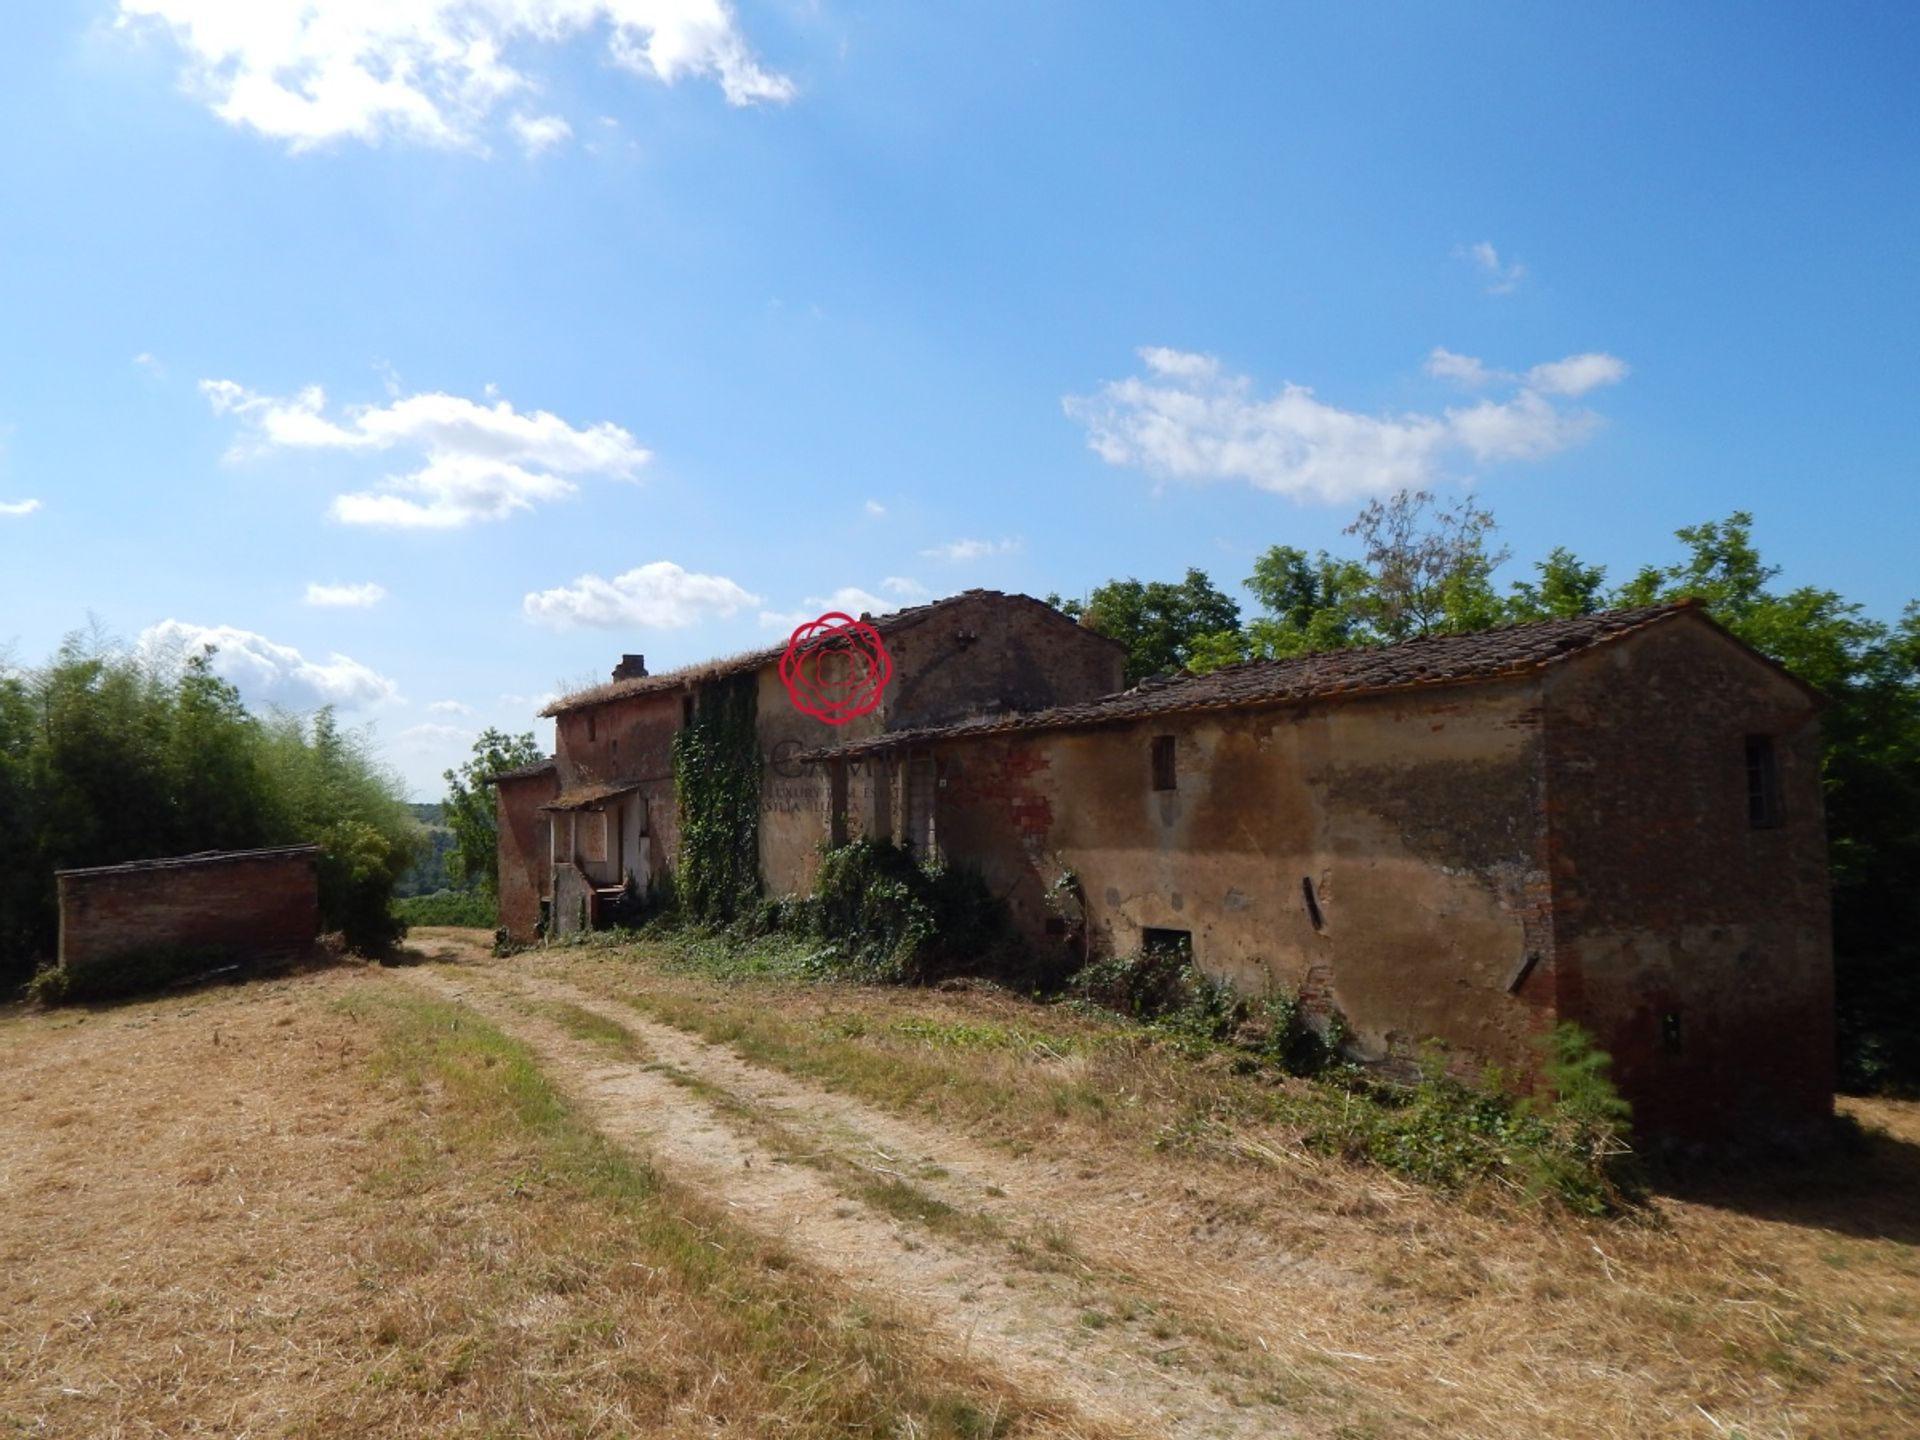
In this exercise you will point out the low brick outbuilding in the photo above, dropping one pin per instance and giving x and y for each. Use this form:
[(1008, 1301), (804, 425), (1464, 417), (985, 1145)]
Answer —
[(241, 904)]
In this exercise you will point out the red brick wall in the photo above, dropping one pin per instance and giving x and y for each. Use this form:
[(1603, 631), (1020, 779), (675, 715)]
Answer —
[(1669, 903), (257, 904), (523, 852)]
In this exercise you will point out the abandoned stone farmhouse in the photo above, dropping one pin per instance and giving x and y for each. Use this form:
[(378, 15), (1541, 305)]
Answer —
[(1614, 819)]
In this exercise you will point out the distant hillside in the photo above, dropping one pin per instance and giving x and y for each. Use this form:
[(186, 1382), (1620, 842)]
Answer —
[(430, 874)]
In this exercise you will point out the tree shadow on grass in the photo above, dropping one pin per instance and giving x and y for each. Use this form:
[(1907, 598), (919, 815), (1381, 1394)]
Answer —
[(1866, 1185)]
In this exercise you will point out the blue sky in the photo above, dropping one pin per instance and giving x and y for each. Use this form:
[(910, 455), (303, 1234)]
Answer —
[(428, 354)]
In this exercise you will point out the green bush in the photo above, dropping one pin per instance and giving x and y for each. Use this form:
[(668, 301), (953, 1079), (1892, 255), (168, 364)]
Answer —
[(1570, 1147), (449, 907), (889, 917)]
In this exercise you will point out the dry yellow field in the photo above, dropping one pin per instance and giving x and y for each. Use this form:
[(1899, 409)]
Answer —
[(582, 1192)]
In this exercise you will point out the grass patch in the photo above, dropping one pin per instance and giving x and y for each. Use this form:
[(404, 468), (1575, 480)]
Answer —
[(766, 1346), (448, 907)]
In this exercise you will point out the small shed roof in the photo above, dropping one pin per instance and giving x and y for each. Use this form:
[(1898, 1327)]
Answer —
[(591, 797), (521, 772), (188, 862)]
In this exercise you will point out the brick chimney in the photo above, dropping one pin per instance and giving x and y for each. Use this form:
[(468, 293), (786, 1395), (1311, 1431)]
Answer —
[(631, 667)]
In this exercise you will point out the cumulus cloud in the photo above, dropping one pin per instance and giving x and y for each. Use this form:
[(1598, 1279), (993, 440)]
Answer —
[(269, 672), (972, 549), (450, 707), (1443, 364), (1499, 276), (847, 600), (427, 71), (657, 596), (1577, 374), (1193, 421), (18, 507), (900, 585), (353, 597), (481, 462), (540, 132)]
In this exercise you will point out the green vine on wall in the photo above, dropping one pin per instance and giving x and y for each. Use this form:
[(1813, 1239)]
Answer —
[(716, 777)]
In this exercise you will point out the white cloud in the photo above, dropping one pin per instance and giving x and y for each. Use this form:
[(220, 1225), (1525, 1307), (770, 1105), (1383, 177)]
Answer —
[(1179, 364), (432, 737), (1443, 364), (269, 672), (450, 707), (18, 507), (657, 596), (540, 132), (1501, 277), (1578, 374), (972, 549), (1198, 423), (482, 462), (875, 508), (427, 71), (903, 587), (847, 600), (359, 597)]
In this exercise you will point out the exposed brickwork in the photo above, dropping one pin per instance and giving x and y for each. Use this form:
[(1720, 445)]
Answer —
[(1695, 945), (255, 904), (524, 844)]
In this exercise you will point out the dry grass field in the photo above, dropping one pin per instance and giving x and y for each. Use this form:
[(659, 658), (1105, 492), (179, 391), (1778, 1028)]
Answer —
[(592, 1192)]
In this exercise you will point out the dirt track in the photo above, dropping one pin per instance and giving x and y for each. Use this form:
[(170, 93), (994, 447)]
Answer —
[(1077, 1322)]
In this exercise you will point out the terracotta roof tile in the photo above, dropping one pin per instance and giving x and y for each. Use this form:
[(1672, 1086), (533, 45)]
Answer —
[(719, 669), (1431, 660)]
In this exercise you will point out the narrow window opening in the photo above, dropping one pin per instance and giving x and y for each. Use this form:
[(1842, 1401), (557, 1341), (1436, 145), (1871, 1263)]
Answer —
[(1670, 1032), (1313, 903), (1763, 783), (592, 729), (686, 712), (1163, 775), (1167, 942), (1056, 925)]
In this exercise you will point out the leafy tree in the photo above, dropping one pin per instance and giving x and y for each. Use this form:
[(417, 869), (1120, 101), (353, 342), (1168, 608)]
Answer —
[(108, 756), (1566, 588), (1430, 566), (469, 810), (1159, 622)]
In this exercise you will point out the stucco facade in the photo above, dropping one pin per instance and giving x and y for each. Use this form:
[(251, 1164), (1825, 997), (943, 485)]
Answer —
[(1464, 856), (1613, 819), (606, 804)]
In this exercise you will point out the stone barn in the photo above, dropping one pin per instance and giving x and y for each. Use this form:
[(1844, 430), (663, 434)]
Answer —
[(1614, 819), (573, 828)]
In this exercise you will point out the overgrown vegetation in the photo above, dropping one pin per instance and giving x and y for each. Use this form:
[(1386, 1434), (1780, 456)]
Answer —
[(889, 916), (716, 776), (1428, 569), (109, 755), (469, 812), (449, 907)]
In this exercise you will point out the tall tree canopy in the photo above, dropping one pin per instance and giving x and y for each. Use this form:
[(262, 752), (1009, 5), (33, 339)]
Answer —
[(1159, 622), (470, 812), (108, 756)]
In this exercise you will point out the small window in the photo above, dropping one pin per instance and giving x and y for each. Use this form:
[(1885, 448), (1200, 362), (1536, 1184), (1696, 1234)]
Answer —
[(1313, 903), (592, 729), (1763, 783), (1167, 942), (1670, 1032), (686, 712), (1163, 776)]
